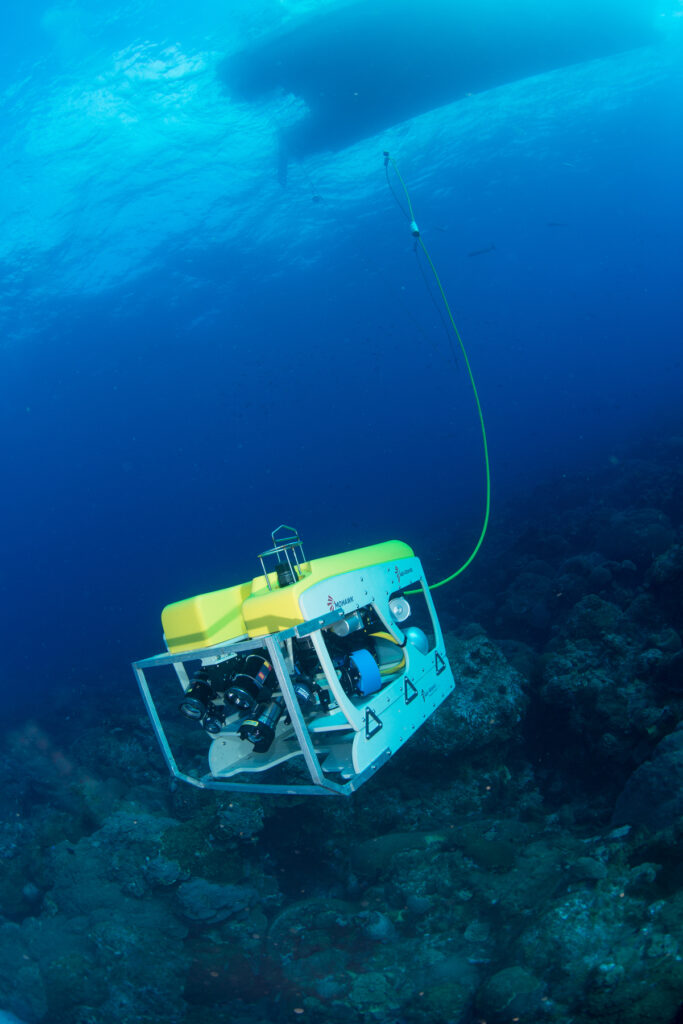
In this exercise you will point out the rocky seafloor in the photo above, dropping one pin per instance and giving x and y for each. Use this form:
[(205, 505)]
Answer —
[(519, 860)]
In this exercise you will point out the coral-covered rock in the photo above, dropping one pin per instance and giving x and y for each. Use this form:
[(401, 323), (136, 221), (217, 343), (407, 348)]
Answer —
[(511, 994), (594, 962), (207, 903), (446, 1002), (21, 986), (636, 534), (486, 708), (592, 618), (667, 568), (72, 979), (653, 795), (600, 685), (374, 857)]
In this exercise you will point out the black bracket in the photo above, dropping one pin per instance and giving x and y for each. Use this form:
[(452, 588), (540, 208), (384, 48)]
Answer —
[(372, 724), (410, 691)]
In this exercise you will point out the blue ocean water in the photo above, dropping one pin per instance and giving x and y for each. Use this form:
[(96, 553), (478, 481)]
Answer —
[(197, 347), (193, 353)]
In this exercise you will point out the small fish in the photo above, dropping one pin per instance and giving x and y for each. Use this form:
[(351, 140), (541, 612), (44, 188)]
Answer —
[(480, 252)]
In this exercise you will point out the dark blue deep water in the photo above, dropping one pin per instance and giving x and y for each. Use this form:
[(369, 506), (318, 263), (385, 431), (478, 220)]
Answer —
[(215, 320)]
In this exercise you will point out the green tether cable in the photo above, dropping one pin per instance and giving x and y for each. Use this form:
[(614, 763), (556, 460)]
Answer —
[(418, 240)]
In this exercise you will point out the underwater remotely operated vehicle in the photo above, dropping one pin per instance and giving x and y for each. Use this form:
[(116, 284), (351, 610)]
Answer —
[(306, 679)]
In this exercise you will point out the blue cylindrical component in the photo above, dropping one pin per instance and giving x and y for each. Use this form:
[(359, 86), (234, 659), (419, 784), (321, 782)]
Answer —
[(370, 679)]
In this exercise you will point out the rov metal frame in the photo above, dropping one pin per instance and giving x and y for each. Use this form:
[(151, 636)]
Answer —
[(287, 548), (322, 786)]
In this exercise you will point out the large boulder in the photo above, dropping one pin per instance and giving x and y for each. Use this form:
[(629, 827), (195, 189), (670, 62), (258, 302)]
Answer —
[(653, 795), (637, 534), (486, 708)]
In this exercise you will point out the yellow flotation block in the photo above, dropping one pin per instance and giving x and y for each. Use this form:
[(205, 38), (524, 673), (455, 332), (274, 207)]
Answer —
[(252, 609)]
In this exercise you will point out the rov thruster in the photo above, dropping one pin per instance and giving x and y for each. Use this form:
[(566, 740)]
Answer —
[(305, 679)]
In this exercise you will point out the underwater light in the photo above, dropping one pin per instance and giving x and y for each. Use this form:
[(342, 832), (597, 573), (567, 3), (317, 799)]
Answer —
[(243, 692), (197, 697), (400, 609), (260, 731), (250, 687), (214, 719)]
